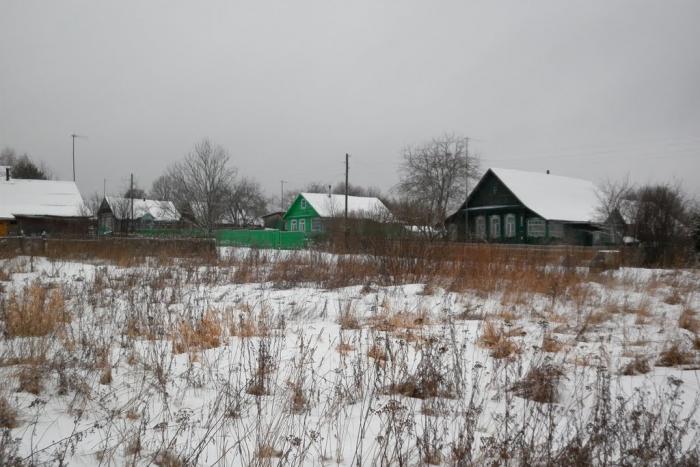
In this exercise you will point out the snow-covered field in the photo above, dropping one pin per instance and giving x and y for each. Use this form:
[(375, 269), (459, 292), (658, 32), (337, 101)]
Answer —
[(181, 363)]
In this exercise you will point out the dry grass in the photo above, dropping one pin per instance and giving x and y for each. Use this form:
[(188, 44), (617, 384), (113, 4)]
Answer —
[(497, 339), (689, 321), (637, 366), (674, 355), (377, 353), (8, 415), (265, 451), (540, 384), (391, 321), (204, 334), (551, 344), (31, 379), (35, 311)]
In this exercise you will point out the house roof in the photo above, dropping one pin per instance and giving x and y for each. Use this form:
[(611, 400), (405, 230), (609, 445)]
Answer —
[(552, 197), (334, 205), (160, 211), (19, 197)]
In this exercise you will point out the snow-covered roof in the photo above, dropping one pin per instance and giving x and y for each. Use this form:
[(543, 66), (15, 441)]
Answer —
[(160, 211), (358, 206), (39, 198), (553, 197)]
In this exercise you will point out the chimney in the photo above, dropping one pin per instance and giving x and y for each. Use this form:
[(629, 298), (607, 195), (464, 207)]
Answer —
[(547, 171), (329, 191), (7, 174)]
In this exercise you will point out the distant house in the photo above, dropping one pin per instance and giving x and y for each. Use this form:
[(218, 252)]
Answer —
[(273, 220), (41, 207), (311, 212), (116, 216), (514, 206)]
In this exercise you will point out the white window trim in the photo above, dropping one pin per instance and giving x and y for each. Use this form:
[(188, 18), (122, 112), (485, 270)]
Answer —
[(536, 227), (497, 233), (302, 225), (510, 225), (293, 225), (303, 203)]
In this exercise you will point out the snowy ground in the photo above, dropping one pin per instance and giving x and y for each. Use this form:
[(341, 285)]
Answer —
[(178, 364)]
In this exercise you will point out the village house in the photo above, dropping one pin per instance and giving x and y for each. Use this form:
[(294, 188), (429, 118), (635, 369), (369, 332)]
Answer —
[(313, 212), (514, 206), (41, 207), (117, 215)]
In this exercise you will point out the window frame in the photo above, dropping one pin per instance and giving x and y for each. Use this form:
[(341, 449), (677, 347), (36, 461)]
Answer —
[(293, 225), (302, 203), (302, 225), (537, 222), (497, 218), (510, 226), (316, 224)]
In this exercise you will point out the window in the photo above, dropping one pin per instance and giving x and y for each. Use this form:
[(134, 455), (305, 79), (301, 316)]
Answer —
[(495, 226), (535, 227), (316, 224), (302, 225), (303, 203), (510, 225), (556, 229), (293, 225), (480, 227)]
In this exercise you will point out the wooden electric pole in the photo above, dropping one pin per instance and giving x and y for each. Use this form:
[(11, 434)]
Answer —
[(466, 187), (131, 195), (345, 221)]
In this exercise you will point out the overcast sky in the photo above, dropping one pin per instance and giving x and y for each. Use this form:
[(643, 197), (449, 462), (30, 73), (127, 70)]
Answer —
[(590, 89)]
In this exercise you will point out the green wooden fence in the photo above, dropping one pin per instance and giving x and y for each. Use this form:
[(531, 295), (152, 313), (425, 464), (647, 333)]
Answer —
[(261, 239)]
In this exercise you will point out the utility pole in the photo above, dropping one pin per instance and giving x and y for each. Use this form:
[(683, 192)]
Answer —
[(73, 136), (345, 219), (131, 195), (466, 187), (282, 182)]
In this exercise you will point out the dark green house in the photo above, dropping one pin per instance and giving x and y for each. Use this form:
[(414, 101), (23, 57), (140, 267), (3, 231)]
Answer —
[(514, 206), (311, 212)]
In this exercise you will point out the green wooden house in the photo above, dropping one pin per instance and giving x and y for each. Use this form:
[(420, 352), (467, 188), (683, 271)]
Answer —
[(311, 212), (514, 206)]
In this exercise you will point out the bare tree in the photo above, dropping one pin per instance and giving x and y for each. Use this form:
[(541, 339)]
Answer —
[(661, 221), (163, 188), (246, 202), (204, 181), (23, 166), (434, 174), (614, 208), (91, 204)]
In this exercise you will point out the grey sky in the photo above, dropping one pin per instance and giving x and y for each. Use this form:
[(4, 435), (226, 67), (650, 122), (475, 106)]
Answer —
[(588, 89)]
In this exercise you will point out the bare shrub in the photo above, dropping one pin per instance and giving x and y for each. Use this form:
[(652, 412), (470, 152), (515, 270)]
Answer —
[(31, 379), (551, 344), (540, 384), (266, 451)]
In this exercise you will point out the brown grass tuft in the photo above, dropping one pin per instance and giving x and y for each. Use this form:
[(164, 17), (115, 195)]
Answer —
[(31, 379), (8, 415), (265, 451), (497, 340), (638, 366), (36, 311), (688, 321), (204, 334), (674, 355), (551, 344)]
